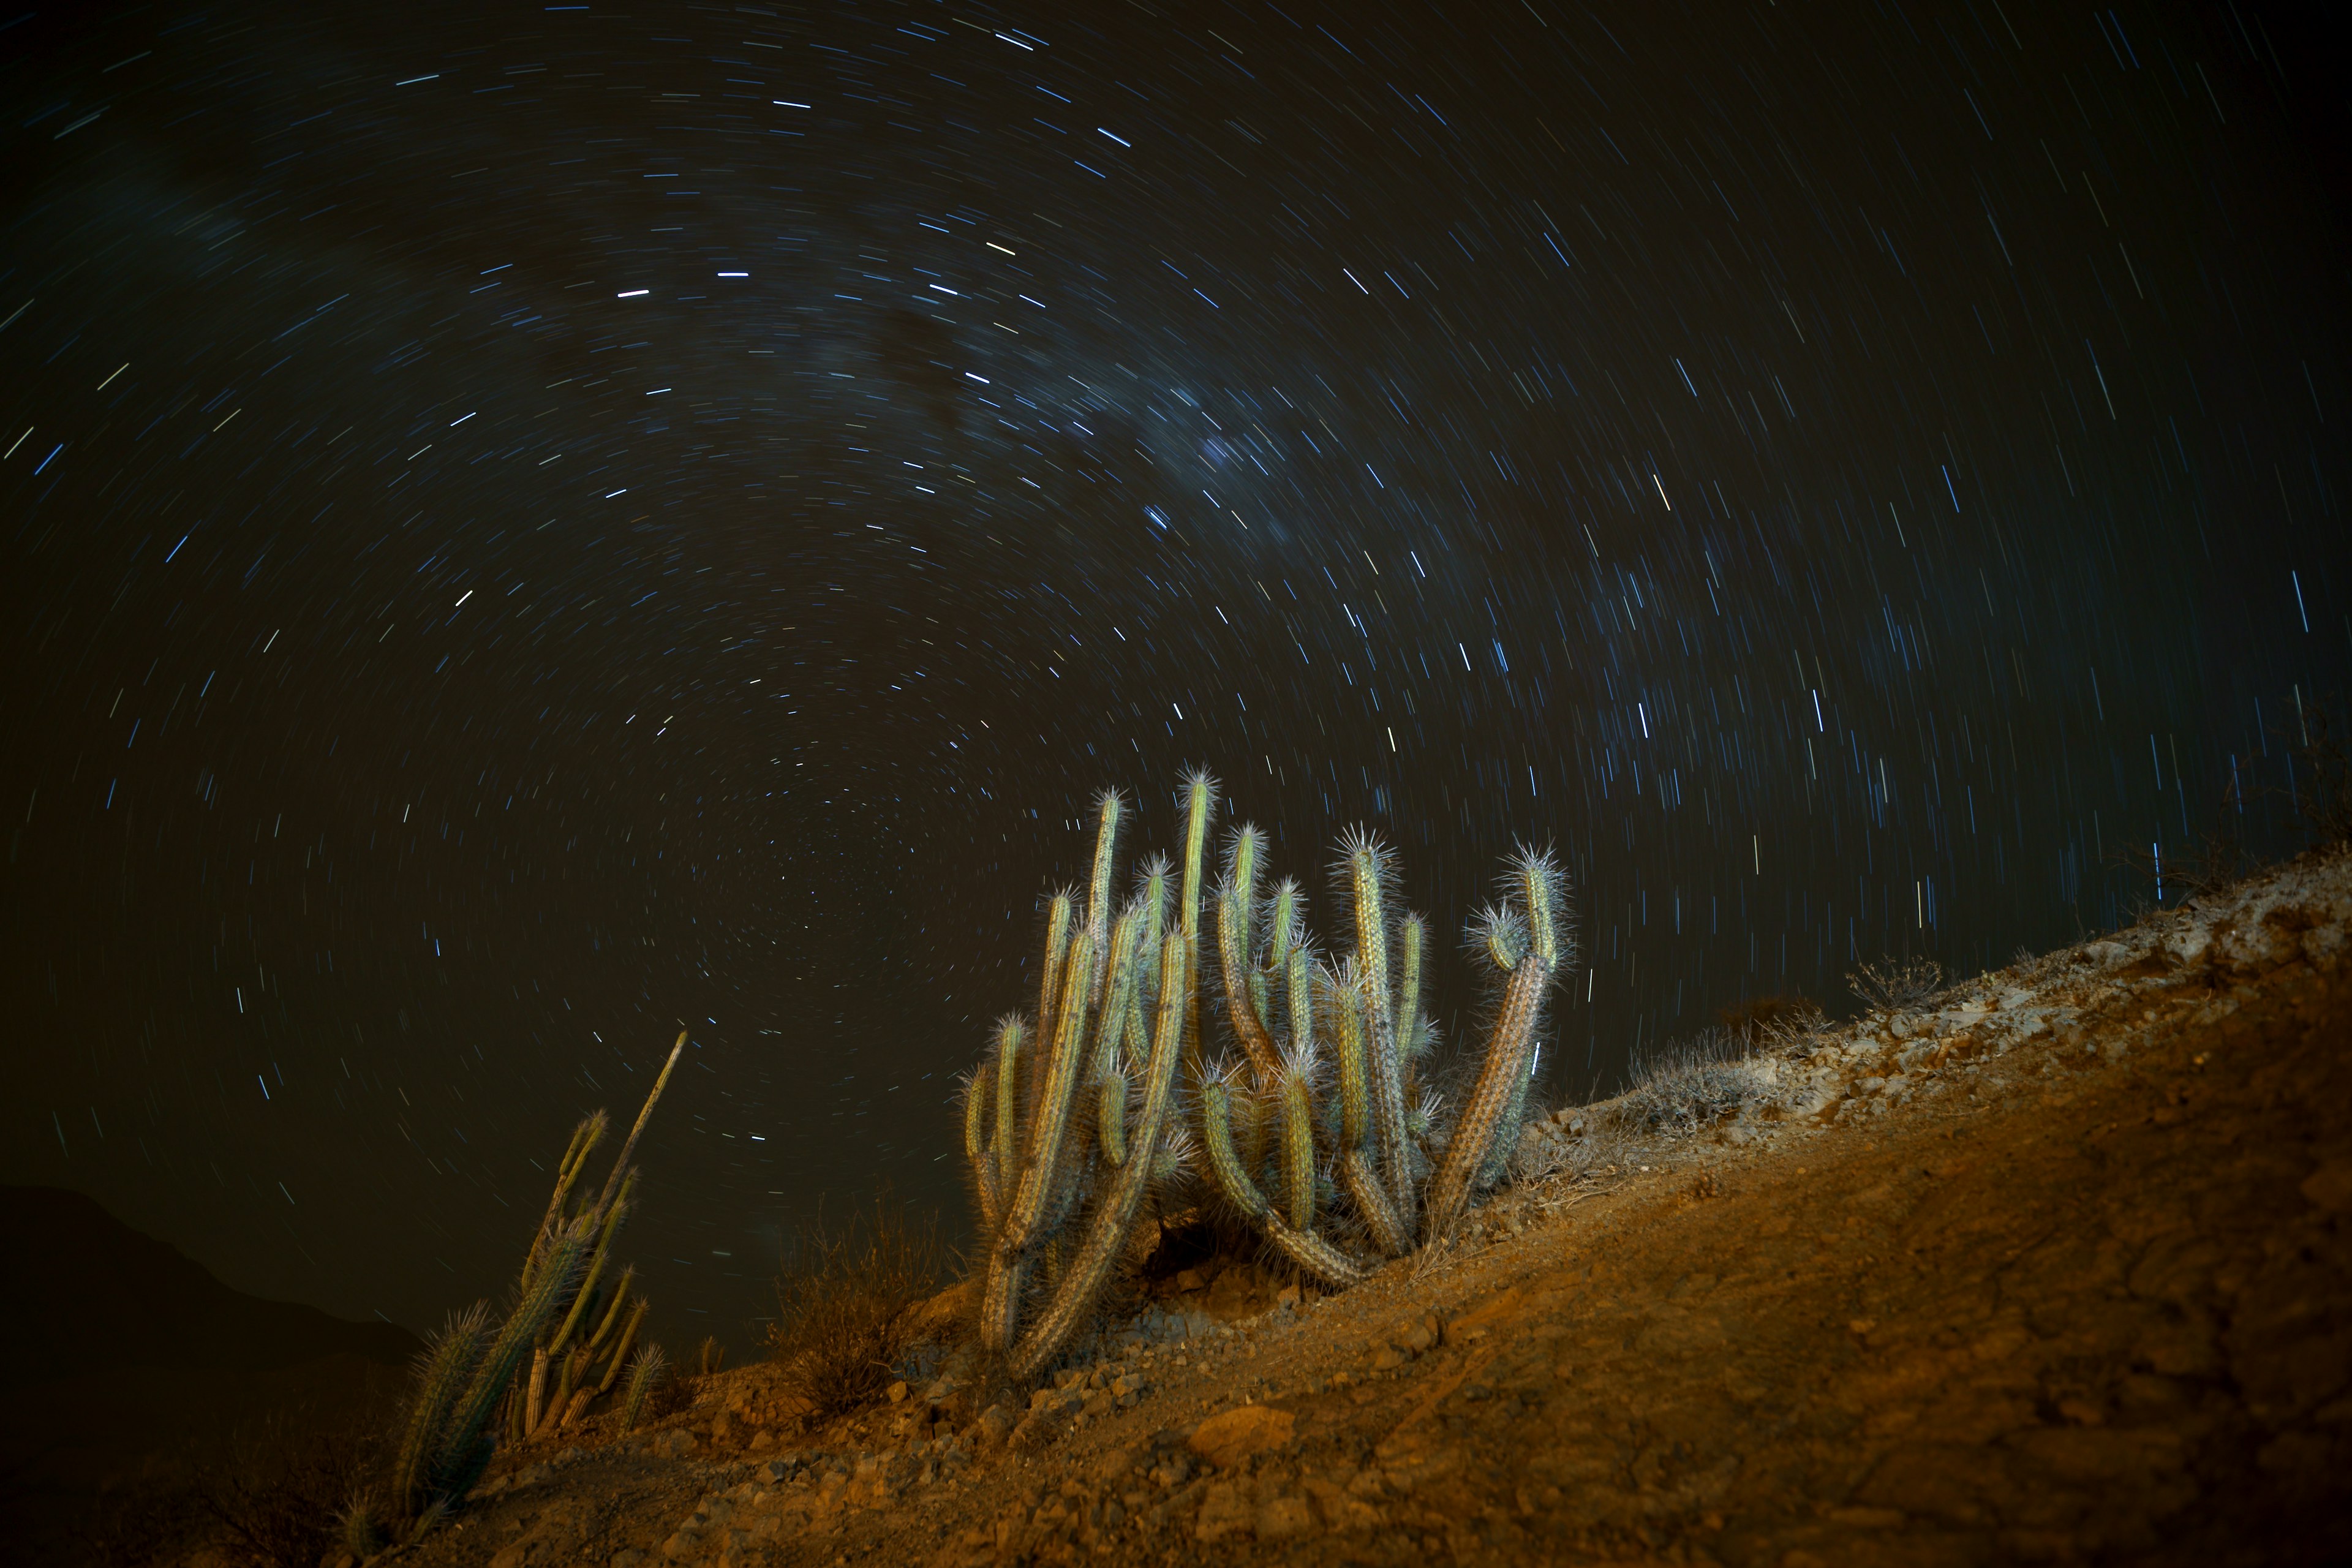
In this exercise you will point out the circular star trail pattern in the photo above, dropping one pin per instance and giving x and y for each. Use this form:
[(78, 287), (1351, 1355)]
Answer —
[(528, 529)]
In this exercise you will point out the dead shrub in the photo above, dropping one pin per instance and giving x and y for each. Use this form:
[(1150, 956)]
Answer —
[(276, 1499), (1896, 984), (1689, 1084), (849, 1308)]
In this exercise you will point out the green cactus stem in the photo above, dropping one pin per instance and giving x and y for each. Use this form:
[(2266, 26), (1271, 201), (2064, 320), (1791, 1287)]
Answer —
[(1309, 1251), (1109, 810), (1531, 946), (585, 1136), (1036, 1191), (1084, 1272), (1199, 802), (1060, 914), (1236, 906), (442, 1374), (464, 1449), (645, 1373), (1410, 1034), (1011, 1040), (1344, 988), (615, 1212), (1370, 867), (621, 1346), (1110, 1116), (977, 1154), (1297, 1121)]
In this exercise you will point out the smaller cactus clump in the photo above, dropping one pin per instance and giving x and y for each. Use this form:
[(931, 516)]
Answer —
[(562, 1320), (1320, 1129), (647, 1369)]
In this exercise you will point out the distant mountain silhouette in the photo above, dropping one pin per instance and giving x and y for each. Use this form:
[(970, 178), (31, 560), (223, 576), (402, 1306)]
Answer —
[(89, 1294), (132, 1367)]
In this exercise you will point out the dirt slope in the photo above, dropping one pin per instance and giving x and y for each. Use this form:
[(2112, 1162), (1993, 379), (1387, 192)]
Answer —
[(2057, 1272)]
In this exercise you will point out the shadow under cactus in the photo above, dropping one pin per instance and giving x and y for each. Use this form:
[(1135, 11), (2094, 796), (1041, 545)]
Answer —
[(1313, 1120)]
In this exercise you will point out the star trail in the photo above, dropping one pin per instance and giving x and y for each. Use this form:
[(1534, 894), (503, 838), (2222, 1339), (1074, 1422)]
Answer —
[(532, 528)]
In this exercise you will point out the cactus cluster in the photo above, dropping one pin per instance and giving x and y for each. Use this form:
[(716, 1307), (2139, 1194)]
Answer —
[(572, 1333), (1320, 1126)]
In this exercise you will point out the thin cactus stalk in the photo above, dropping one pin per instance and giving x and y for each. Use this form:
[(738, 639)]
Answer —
[(614, 1213), (621, 1347), (1109, 810), (620, 1164), (535, 1396), (1011, 1040), (1200, 800), (1236, 907)]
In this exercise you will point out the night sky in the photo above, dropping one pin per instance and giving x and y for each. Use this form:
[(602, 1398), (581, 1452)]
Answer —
[(529, 527)]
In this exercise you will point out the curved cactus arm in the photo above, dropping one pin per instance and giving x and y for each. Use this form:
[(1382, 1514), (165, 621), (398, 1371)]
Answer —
[(612, 1312), (1304, 1248), (1042, 1173), (977, 1152), (621, 1347), (1114, 1216), (1502, 1074), (1360, 1179)]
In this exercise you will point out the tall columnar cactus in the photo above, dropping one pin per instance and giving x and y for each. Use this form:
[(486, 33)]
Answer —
[(1070, 1118), (562, 1318), (1063, 1144)]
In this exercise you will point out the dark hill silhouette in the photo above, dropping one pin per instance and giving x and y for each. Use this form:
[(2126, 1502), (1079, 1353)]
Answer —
[(90, 1294), (134, 1368)]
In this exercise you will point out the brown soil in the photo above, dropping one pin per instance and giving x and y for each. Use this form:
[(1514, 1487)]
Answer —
[(2065, 1278)]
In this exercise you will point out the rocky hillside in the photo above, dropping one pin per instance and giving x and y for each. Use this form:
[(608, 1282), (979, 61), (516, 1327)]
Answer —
[(2055, 1266)]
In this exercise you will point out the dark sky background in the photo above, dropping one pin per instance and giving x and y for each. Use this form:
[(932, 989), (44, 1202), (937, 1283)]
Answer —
[(525, 528)]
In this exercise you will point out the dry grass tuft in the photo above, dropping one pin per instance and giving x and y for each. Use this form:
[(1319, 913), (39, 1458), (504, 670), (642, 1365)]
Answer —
[(850, 1308)]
